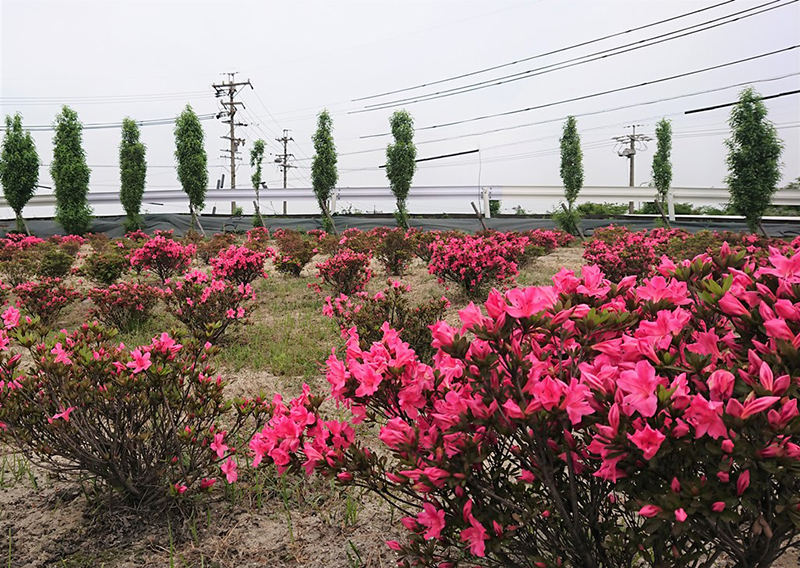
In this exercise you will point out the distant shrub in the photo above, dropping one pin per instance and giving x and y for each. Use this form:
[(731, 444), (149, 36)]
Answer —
[(392, 307), (394, 251), (239, 264), (106, 266), (346, 272), (55, 263), (208, 249), (162, 256), (208, 307), (294, 252), (45, 298), (124, 306)]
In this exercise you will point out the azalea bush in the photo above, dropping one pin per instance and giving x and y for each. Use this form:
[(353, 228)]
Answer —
[(294, 252), (124, 306), (55, 262), (162, 256), (45, 298), (106, 266), (209, 248), (257, 238), (151, 425), (368, 314), (208, 306), (70, 244), (619, 252), (394, 250), (346, 272), (477, 263), (239, 264), (19, 258), (585, 424)]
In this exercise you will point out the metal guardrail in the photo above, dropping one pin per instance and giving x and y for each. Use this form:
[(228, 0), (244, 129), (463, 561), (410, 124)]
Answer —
[(481, 195)]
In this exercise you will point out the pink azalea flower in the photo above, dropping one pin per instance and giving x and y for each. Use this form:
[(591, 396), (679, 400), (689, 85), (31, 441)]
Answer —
[(649, 511), (647, 440), (61, 354), (229, 469), (64, 414), (432, 519), (218, 445), (639, 387), (140, 362), (680, 515), (11, 318)]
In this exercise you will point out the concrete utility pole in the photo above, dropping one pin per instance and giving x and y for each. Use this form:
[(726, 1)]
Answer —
[(283, 160), (231, 89), (629, 144)]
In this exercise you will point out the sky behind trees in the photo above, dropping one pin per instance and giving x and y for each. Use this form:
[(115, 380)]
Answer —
[(146, 59)]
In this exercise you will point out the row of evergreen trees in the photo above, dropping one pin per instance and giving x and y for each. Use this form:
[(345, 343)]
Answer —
[(754, 152)]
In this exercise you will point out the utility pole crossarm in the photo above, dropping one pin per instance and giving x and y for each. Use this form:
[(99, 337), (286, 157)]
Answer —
[(230, 89)]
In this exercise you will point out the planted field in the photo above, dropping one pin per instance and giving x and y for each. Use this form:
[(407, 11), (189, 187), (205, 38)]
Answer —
[(500, 399)]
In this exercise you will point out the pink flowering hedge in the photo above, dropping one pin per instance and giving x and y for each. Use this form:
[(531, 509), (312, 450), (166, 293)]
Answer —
[(162, 256), (239, 264), (208, 306), (589, 423), (123, 306), (346, 272), (477, 263), (45, 298)]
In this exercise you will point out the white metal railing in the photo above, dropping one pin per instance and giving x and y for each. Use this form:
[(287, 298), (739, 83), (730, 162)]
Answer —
[(442, 199)]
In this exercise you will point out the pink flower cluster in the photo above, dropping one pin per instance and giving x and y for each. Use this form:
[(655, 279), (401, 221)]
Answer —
[(476, 263), (45, 298), (123, 305), (676, 399), (163, 256), (346, 272), (239, 264)]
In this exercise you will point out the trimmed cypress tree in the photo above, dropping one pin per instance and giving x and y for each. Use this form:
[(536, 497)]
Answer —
[(324, 174), (132, 173), (256, 159), (19, 167), (571, 174), (754, 153), (190, 153), (662, 164), (401, 162), (70, 174)]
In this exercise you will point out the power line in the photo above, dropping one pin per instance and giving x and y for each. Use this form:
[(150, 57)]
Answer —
[(108, 125), (576, 61), (580, 115), (787, 93), (539, 55), (598, 94)]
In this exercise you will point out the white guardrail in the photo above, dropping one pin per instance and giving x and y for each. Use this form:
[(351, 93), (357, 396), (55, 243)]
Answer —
[(440, 199)]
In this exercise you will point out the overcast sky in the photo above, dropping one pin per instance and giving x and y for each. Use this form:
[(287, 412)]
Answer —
[(146, 59)]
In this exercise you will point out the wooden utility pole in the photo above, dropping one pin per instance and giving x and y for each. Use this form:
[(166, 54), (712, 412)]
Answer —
[(230, 89), (283, 159), (629, 143)]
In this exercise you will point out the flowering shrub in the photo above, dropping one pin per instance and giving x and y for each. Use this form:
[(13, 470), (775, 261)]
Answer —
[(239, 264), (45, 298), (294, 252), (346, 272), (547, 239), (476, 263), (368, 314), (137, 236), (19, 257), (55, 262), (208, 249), (358, 241), (394, 250), (619, 252), (208, 306), (151, 424), (123, 306), (162, 256), (106, 266), (588, 424), (257, 238), (70, 244)]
